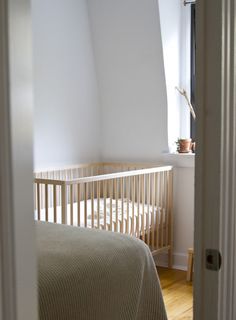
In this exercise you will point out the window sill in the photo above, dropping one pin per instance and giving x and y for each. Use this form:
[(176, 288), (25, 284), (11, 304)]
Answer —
[(180, 160)]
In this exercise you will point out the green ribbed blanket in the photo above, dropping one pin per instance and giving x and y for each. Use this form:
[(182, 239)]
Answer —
[(90, 274)]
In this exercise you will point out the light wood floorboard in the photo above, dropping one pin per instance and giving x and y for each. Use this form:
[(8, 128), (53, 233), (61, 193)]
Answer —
[(177, 293)]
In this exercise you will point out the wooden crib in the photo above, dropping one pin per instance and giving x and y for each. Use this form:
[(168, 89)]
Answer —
[(128, 198)]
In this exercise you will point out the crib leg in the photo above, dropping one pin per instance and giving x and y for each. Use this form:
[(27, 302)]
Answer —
[(190, 264), (170, 258)]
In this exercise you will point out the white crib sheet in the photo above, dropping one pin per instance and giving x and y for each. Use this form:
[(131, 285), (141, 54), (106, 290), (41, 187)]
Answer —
[(130, 209)]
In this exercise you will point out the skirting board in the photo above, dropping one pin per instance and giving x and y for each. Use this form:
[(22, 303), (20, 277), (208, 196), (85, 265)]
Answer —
[(179, 260)]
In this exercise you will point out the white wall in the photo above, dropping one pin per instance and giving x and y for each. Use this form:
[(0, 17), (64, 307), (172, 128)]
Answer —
[(129, 60), (183, 198), (175, 30), (183, 208), (67, 115)]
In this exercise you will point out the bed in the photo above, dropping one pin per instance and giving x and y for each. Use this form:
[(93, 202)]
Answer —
[(126, 198), (91, 274)]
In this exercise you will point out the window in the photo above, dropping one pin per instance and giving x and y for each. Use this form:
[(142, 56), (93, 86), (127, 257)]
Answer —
[(193, 67)]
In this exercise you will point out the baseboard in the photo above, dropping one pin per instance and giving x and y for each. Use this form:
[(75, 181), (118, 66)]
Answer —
[(179, 260)]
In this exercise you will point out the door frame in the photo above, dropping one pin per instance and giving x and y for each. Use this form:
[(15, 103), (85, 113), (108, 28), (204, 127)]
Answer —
[(215, 167), (18, 296), (215, 205)]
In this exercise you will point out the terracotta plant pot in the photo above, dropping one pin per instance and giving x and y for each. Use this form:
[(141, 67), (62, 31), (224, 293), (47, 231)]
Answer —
[(184, 145)]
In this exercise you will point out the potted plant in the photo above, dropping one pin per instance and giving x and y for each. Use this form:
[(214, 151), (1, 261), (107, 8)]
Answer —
[(186, 145)]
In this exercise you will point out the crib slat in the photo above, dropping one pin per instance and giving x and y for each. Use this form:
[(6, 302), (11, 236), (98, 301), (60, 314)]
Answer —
[(105, 203), (153, 211), (148, 210), (138, 209), (78, 204), (158, 210), (127, 199), (122, 205), (159, 188), (163, 207), (46, 202), (38, 201), (162, 189), (71, 205), (42, 193), (162, 229), (170, 222), (111, 196), (167, 209), (116, 199), (55, 203), (92, 204), (98, 204), (143, 201), (35, 199), (85, 205), (133, 198), (57, 177), (64, 203), (168, 206)]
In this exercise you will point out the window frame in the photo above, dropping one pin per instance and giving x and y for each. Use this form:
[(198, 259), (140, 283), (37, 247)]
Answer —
[(193, 68)]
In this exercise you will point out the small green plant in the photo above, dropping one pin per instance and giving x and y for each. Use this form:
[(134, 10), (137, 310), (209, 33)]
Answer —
[(177, 144)]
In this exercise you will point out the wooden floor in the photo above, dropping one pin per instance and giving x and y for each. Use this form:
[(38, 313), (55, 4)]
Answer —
[(178, 294)]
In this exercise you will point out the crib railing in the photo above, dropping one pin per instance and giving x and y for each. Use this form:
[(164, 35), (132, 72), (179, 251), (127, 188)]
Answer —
[(136, 202), (80, 171)]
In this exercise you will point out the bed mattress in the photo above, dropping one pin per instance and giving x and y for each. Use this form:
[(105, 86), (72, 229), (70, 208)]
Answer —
[(91, 274)]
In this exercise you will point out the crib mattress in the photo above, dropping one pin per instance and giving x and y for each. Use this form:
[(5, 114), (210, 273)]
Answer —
[(92, 274), (130, 209)]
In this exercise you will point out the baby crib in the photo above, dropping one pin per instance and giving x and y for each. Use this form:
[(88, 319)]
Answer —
[(128, 198)]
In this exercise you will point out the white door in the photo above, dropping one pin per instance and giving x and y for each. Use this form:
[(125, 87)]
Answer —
[(18, 298), (215, 210)]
